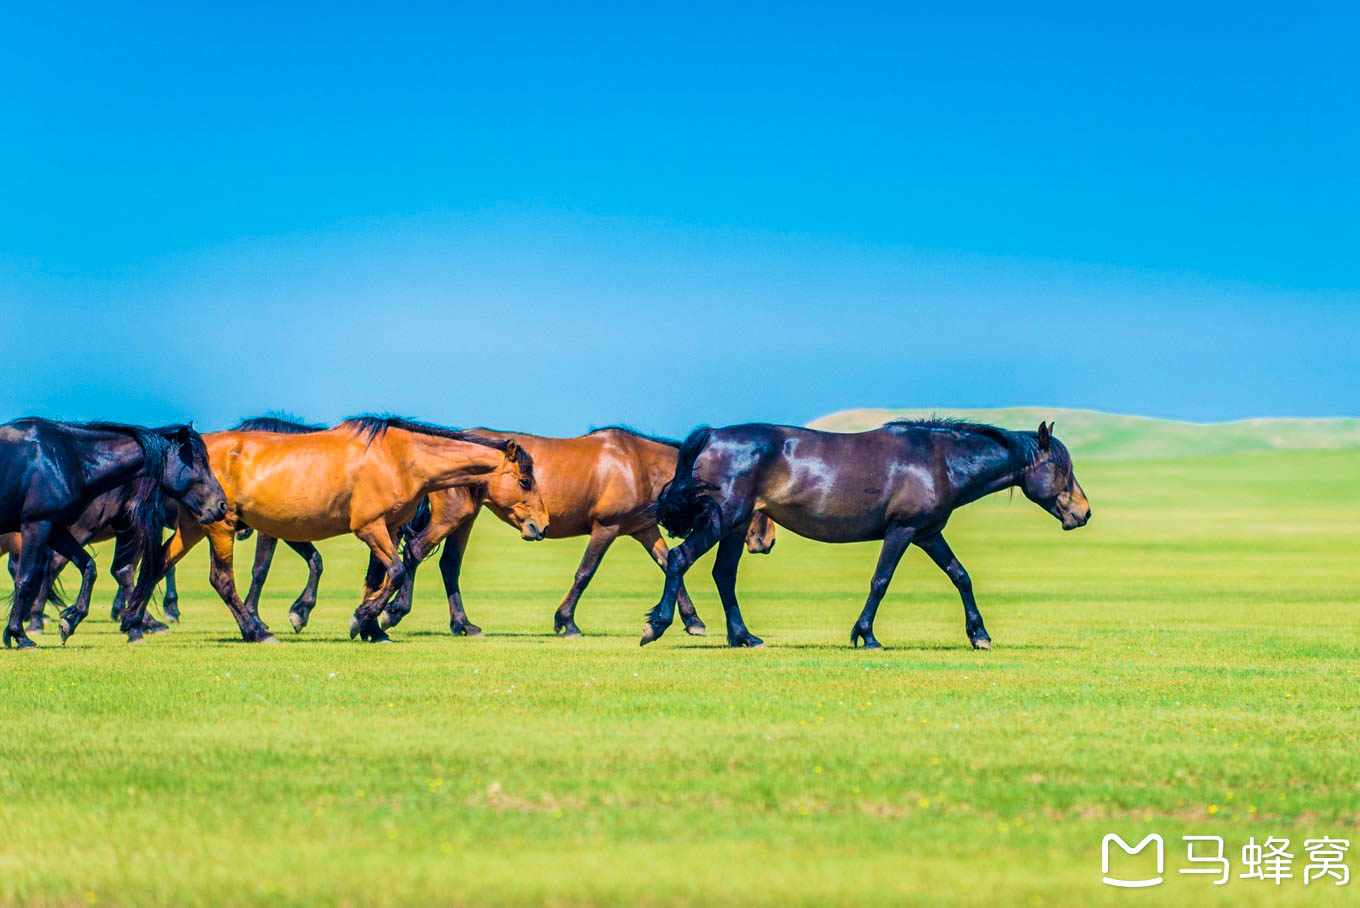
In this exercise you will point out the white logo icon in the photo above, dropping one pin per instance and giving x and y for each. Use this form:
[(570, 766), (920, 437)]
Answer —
[(1131, 884)]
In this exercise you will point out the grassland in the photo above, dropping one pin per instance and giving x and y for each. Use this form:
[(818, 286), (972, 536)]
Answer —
[(1187, 664)]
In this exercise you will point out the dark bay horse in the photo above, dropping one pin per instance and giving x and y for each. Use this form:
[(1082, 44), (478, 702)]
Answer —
[(51, 471), (899, 483), (601, 484), (366, 476)]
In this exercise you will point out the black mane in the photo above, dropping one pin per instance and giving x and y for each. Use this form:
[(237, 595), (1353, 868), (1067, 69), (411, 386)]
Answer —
[(1023, 446), (280, 421), (371, 425), (620, 427)]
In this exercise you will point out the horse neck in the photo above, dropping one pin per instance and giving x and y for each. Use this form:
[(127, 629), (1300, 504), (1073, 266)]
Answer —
[(108, 460), (989, 467), (441, 463)]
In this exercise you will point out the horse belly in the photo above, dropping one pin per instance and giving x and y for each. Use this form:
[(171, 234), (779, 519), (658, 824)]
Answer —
[(827, 525), (301, 512)]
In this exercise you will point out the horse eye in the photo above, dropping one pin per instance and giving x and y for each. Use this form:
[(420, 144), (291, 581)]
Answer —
[(526, 484)]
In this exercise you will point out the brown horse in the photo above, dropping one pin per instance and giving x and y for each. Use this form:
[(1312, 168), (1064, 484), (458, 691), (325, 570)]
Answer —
[(366, 476), (602, 484)]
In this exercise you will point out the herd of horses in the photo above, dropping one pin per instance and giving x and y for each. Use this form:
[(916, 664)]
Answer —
[(404, 487)]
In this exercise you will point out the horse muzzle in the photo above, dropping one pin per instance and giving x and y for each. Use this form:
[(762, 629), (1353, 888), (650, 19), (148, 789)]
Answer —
[(1076, 521), (532, 532), (213, 512)]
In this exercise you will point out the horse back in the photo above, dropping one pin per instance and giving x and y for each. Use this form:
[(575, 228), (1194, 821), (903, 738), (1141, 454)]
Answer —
[(608, 476), (40, 475)]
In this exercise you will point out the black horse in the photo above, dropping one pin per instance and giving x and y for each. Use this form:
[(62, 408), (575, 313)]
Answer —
[(899, 483), (112, 515), (51, 471)]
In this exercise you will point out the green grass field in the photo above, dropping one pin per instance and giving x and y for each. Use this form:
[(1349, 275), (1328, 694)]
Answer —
[(1187, 664)]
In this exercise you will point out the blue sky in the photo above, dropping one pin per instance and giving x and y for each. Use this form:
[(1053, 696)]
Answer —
[(545, 220)]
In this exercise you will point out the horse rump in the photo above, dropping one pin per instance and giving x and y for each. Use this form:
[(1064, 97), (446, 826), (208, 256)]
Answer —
[(685, 500)]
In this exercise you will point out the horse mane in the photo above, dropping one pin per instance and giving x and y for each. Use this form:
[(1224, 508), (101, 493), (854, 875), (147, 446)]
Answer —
[(1023, 446), (280, 421), (372, 425), (150, 503), (620, 427)]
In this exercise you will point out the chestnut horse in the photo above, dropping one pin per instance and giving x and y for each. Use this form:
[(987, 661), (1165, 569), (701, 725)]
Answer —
[(602, 484), (899, 483), (366, 476), (287, 424)]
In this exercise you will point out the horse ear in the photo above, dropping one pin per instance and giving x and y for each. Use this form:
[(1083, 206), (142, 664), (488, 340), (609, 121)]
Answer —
[(511, 450), (1045, 435)]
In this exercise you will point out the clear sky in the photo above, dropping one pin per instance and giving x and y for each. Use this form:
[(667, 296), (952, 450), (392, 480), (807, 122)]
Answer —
[(543, 219)]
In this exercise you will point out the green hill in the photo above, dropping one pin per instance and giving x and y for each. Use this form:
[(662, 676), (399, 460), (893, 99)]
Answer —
[(1111, 436)]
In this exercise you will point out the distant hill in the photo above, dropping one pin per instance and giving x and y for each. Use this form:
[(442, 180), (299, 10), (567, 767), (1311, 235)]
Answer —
[(1114, 437)]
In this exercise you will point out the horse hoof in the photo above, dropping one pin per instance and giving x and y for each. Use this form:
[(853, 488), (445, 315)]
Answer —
[(66, 630), (696, 630), (650, 632), (353, 628), (297, 621), (25, 643), (268, 639), (156, 627), (384, 620), (472, 630), (982, 643), (172, 617), (134, 641), (571, 631), (382, 639)]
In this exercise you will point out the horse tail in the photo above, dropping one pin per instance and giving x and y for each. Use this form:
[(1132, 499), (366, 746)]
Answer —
[(55, 594), (685, 500)]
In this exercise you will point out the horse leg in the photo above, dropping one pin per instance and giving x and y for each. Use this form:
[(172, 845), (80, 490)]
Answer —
[(28, 582), (895, 542), (450, 517), (259, 570), (943, 556), (731, 513), (301, 609), (123, 571), (564, 619), (402, 599), (47, 590), (170, 604), (651, 540), (66, 546), (725, 579), (222, 543), (378, 537), (450, 568), (132, 616)]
